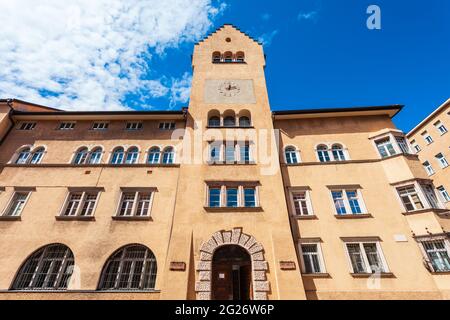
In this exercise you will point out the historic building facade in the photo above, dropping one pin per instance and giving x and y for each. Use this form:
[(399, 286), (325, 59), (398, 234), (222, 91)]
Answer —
[(222, 200)]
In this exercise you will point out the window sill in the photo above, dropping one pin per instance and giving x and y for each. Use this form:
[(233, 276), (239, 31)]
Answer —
[(238, 209), (434, 210), (115, 218), (316, 275), (353, 216), (9, 218), (234, 127), (237, 163), (63, 218), (369, 275), (311, 217)]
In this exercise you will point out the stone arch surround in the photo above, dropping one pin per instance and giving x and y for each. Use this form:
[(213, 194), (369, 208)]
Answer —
[(260, 267)]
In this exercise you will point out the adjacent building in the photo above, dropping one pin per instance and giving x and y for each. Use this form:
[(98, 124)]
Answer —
[(222, 200)]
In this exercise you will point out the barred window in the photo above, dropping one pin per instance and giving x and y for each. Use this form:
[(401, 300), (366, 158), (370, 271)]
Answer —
[(134, 126), (366, 257), (100, 126), (437, 254), (135, 204), (49, 268), (131, 268), (312, 259), (67, 126), (27, 126)]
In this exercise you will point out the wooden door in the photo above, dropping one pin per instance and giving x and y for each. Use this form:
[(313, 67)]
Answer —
[(223, 282)]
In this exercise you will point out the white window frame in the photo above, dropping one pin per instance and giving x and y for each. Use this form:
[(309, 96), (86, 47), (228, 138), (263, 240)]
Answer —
[(84, 193), (418, 187), (443, 162), (319, 256), (425, 253), (136, 192), (415, 146), (428, 168), (307, 199), (100, 126), (67, 125), (167, 126), (367, 266), (347, 205), (427, 137), (441, 128), (445, 196), (134, 126), (296, 152), (223, 195), (11, 202)]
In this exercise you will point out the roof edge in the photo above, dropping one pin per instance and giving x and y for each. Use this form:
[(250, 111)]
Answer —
[(28, 103), (210, 34), (394, 107), (431, 115)]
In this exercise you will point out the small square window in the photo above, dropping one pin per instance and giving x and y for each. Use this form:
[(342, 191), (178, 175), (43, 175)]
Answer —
[(166, 126)]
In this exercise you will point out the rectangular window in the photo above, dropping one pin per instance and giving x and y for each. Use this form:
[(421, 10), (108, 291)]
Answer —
[(232, 196), (430, 195), (99, 126), (230, 153), (410, 198), (348, 202), (67, 126), (134, 126), (426, 136), (442, 160), (415, 146), (250, 197), (27, 126), (441, 128), (17, 204), (244, 151), (385, 147), (81, 204), (301, 203), (215, 152), (233, 152), (437, 254), (403, 145), (312, 258), (167, 126), (214, 197), (428, 168), (135, 204), (445, 195), (366, 257)]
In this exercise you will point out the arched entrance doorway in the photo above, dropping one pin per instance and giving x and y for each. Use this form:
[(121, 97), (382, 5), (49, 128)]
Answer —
[(231, 274)]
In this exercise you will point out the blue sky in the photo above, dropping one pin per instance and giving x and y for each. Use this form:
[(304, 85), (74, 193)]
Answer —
[(322, 55), (116, 54)]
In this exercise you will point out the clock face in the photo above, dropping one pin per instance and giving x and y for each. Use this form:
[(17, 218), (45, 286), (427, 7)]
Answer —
[(229, 89)]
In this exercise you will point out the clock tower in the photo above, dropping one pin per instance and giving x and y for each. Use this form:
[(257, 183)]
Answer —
[(231, 225)]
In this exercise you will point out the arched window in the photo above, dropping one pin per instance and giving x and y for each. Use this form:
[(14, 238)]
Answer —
[(96, 156), (216, 57), (338, 153), (81, 156), (229, 121), (228, 56), (244, 122), (131, 268), (240, 57), (132, 155), (323, 154), (168, 155), (23, 156), (154, 155), (214, 122), (37, 155), (118, 156), (49, 268), (291, 155)]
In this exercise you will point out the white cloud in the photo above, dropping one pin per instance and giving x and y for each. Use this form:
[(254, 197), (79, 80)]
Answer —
[(87, 55), (267, 38), (180, 89), (312, 15)]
